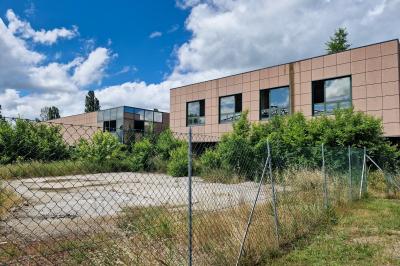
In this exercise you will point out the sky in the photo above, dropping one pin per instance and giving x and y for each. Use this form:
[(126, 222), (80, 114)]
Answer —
[(133, 52)]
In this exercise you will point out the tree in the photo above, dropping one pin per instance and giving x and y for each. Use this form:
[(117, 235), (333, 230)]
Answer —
[(339, 42), (1, 116), (49, 113), (92, 104)]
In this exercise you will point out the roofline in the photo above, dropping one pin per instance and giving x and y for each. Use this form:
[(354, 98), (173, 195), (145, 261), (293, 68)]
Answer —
[(109, 109), (291, 62)]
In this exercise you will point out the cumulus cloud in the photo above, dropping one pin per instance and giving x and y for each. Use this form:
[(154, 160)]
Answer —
[(24, 29), (28, 83), (227, 37), (92, 69)]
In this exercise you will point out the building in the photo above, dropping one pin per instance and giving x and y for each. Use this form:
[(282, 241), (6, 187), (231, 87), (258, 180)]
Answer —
[(366, 77), (124, 121)]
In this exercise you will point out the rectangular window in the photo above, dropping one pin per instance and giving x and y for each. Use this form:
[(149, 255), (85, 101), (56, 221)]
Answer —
[(148, 116), (110, 126), (331, 94), (195, 113), (113, 125), (158, 117), (274, 102), (230, 108)]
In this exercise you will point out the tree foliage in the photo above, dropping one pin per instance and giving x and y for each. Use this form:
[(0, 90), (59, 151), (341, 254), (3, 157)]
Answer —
[(92, 104), (338, 42), (296, 142), (49, 113), (26, 141), (101, 148)]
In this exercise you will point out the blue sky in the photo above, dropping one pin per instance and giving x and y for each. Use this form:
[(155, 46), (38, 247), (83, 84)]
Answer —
[(134, 52), (124, 26)]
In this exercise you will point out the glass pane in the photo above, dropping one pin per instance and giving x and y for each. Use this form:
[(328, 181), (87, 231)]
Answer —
[(193, 109), (148, 116), (345, 104), (140, 113), (337, 90), (106, 115), (330, 107), (113, 115), (120, 113), (227, 105), (319, 108), (264, 113), (279, 98), (158, 117)]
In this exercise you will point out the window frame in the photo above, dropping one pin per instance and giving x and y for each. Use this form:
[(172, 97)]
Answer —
[(235, 117), (204, 116), (334, 102), (269, 100)]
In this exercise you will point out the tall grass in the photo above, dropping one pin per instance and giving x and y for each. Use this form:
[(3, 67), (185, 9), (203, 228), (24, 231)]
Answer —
[(59, 168)]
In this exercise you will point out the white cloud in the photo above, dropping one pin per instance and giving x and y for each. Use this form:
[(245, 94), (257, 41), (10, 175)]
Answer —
[(24, 29), (155, 34), (92, 70), (227, 37)]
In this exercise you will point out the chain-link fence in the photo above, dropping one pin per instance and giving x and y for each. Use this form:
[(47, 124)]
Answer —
[(77, 195)]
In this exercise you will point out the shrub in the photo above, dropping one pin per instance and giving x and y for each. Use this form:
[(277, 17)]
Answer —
[(31, 141), (142, 152), (104, 147), (210, 159), (167, 142), (178, 164)]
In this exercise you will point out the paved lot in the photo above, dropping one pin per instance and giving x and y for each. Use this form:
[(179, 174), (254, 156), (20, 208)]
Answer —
[(55, 205)]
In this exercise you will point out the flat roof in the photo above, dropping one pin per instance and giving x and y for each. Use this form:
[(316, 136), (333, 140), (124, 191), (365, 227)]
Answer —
[(110, 109), (290, 62)]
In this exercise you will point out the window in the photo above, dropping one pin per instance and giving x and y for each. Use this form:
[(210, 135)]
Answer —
[(157, 117), (331, 94), (195, 113), (110, 126), (230, 108), (148, 116), (274, 102)]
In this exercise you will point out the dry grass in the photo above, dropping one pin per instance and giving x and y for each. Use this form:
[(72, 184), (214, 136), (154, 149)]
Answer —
[(8, 201), (158, 235)]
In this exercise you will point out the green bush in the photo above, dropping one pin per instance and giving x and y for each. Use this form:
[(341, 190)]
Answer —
[(178, 164), (210, 159), (167, 142), (142, 152), (102, 148), (27, 140)]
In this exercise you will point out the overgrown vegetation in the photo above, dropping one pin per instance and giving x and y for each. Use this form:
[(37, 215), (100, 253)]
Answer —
[(294, 140), (26, 141)]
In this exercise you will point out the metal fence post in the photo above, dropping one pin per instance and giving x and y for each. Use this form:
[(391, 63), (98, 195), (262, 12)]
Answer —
[(274, 199), (362, 173), (325, 178), (350, 177), (190, 232)]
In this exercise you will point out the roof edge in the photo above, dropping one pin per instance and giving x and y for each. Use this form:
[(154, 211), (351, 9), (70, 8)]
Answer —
[(290, 62)]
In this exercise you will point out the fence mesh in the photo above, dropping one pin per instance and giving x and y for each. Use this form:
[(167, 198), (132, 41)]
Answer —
[(77, 195)]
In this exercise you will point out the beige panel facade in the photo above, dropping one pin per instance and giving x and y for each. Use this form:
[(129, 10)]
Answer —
[(75, 127), (374, 72)]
